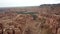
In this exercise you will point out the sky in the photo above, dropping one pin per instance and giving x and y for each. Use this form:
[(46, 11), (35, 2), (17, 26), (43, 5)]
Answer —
[(22, 3)]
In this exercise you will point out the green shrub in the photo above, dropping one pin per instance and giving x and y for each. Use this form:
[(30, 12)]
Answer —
[(31, 13)]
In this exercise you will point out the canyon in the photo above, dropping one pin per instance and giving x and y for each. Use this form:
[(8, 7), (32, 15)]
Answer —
[(43, 19)]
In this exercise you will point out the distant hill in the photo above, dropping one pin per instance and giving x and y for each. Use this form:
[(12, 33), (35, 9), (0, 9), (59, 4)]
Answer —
[(50, 8)]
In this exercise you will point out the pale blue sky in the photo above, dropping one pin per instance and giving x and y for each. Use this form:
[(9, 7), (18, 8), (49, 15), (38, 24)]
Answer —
[(16, 3)]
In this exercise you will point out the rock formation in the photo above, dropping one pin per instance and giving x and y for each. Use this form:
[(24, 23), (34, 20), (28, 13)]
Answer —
[(45, 20)]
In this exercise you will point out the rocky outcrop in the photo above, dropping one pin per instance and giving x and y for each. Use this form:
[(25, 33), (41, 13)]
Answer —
[(26, 24)]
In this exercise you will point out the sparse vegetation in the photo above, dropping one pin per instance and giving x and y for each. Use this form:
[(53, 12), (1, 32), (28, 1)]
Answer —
[(33, 14)]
